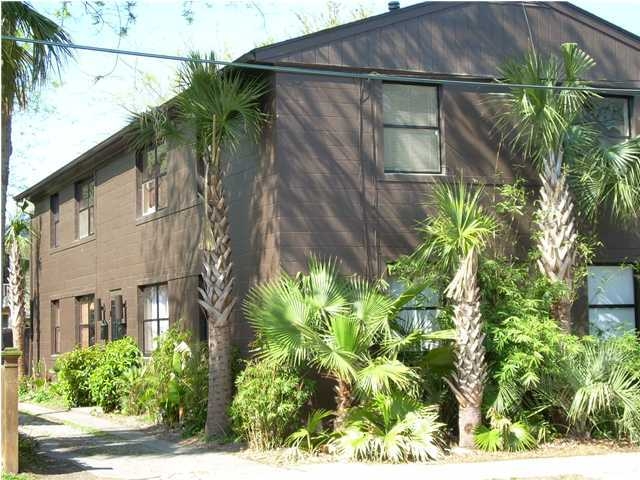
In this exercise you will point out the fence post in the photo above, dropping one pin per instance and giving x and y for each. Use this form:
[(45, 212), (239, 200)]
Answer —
[(10, 358)]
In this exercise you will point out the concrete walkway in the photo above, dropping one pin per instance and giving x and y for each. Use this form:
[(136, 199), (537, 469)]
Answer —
[(102, 448)]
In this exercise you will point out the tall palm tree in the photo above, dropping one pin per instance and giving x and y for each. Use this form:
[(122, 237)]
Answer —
[(24, 67), (17, 242), (548, 127), (224, 109), (453, 239), (341, 327)]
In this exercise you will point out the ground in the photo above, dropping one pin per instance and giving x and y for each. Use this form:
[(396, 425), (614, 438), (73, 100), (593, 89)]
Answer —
[(78, 445)]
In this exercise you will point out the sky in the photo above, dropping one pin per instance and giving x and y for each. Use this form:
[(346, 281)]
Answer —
[(96, 92)]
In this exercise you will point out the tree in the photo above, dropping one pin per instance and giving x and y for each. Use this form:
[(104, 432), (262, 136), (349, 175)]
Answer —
[(453, 240), (224, 109), (24, 67), (17, 242), (344, 328), (549, 127)]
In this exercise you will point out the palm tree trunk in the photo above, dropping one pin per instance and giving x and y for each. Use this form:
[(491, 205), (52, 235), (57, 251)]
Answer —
[(16, 301), (467, 382), (217, 300), (7, 148), (344, 399), (557, 240)]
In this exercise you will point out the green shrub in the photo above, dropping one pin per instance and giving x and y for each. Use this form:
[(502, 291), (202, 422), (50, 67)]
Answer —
[(73, 371), (503, 434), (393, 428), (172, 386), (267, 404), (312, 436), (107, 381)]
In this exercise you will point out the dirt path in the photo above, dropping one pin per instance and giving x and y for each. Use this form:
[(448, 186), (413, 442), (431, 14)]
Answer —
[(79, 445)]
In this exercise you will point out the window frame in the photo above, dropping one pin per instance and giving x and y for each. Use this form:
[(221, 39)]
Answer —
[(635, 290), (54, 210), (80, 301), (438, 128), (156, 179), (147, 351), (90, 208), (56, 328)]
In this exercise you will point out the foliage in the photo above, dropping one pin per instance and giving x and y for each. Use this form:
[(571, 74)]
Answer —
[(74, 370), (106, 381), (311, 437), (344, 328), (504, 435), (392, 428), (599, 391), (267, 403), (35, 388), (172, 386)]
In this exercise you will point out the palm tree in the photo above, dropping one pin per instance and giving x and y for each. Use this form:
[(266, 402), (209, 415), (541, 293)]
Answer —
[(23, 69), (341, 327), (548, 127), (17, 241), (223, 108), (453, 239)]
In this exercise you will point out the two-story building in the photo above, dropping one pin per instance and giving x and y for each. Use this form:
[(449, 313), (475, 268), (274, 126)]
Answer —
[(342, 170)]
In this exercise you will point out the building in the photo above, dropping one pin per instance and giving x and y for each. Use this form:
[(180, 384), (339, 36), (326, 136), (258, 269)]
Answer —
[(342, 170)]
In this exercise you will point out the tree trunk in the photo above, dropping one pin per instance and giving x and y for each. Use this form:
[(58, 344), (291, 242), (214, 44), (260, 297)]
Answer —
[(557, 240), (467, 382), (7, 148), (344, 400), (217, 300), (469, 418), (16, 301)]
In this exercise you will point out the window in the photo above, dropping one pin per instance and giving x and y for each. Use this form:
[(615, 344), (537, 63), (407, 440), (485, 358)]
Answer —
[(86, 321), (54, 204), (153, 184), (55, 327), (611, 116), (411, 129), (612, 300), (421, 313), (155, 315), (84, 197)]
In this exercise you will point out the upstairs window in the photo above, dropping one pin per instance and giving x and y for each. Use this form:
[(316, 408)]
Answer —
[(85, 201), (153, 183), (611, 116), (155, 315), (54, 204), (612, 300), (411, 129), (86, 321)]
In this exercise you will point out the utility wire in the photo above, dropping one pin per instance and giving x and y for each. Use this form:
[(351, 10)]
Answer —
[(323, 72)]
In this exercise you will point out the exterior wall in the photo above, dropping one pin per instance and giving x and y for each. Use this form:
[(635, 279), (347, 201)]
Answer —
[(125, 252)]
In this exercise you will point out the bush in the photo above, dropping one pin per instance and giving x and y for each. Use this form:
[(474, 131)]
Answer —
[(107, 381), (267, 403), (172, 386), (74, 370), (392, 428)]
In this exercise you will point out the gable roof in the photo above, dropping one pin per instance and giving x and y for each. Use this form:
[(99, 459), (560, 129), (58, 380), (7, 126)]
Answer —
[(345, 40)]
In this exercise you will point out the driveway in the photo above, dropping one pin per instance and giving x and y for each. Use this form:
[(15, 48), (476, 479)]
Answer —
[(96, 447)]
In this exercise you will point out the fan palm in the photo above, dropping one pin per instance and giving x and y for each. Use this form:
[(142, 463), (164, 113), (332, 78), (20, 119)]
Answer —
[(17, 241), (547, 126), (224, 110), (453, 239), (341, 327), (23, 69)]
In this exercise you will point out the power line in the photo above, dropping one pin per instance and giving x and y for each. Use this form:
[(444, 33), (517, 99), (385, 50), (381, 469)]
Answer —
[(323, 72)]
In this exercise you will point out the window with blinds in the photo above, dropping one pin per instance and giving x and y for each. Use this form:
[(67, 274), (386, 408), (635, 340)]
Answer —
[(411, 129)]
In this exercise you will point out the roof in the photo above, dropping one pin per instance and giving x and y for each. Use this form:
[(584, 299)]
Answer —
[(271, 54)]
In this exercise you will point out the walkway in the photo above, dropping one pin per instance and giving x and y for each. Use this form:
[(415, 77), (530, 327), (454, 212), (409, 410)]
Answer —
[(102, 448)]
